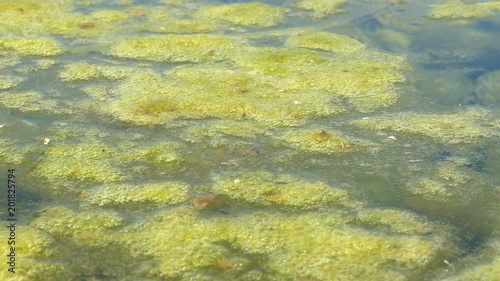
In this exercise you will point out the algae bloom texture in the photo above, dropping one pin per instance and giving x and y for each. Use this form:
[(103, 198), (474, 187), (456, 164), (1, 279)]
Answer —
[(283, 140)]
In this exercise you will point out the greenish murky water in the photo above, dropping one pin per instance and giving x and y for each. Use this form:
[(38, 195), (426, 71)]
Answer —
[(239, 140)]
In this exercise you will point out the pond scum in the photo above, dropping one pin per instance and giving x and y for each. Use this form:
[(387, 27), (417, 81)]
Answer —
[(186, 140)]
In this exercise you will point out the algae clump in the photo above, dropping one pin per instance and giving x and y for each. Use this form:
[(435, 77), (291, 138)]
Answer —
[(336, 43), (457, 128), (265, 189), (254, 14), (32, 102), (7, 83), (319, 141), (85, 71), (273, 246), (457, 9), (137, 196), (321, 8), (176, 48), (86, 162), (31, 46)]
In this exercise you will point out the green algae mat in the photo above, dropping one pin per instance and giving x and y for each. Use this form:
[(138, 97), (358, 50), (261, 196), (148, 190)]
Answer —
[(297, 140)]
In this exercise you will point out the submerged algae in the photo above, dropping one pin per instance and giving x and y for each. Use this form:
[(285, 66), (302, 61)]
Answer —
[(488, 89)]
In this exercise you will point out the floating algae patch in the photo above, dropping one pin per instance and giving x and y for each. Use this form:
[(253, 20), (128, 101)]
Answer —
[(321, 8), (262, 188), (85, 163), (81, 71), (55, 17), (458, 128), (213, 91), (167, 21), (32, 102), (254, 14), (39, 65), (368, 81), (176, 48), (44, 257), (321, 141), (62, 221), (56, 234), (136, 196), (31, 46), (335, 43), (457, 9), (219, 130), (271, 246)]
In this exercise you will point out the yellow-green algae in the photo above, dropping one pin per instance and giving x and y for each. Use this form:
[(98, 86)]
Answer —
[(92, 162), (32, 102), (57, 233), (221, 128), (201, 92), (139, 196), (339, 251), (31, 46), (321, 141), (176, 48), (63, 221), (254, 14), (396, 221), (262, 188), (43, 257), (336, 43), (10, 153), (277, 86), (7, 83), (321, 8), (266, 244), (85, 71), (42, 64), (56, 17), (69, 167), (367, 80), (164, 20), (457, 9), (456, 128)]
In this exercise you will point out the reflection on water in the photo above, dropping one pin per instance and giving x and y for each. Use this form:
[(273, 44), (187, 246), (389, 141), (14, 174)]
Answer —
[(233, 140)]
